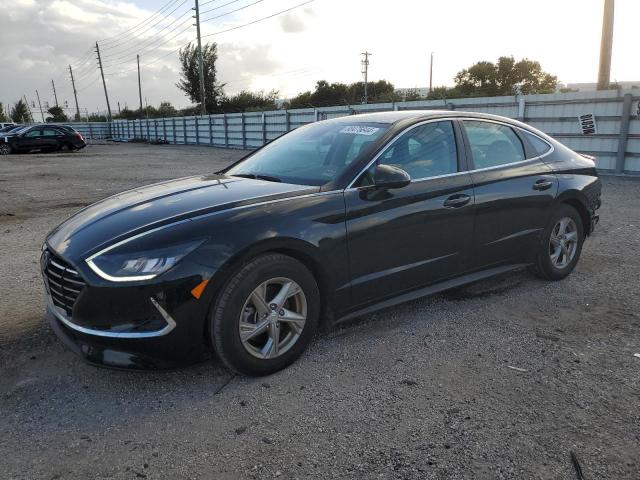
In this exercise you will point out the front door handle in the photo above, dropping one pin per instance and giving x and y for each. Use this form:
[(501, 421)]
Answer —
[(457, 201), (542, 184)]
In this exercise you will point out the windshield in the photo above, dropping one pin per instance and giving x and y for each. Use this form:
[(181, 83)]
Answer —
[(311, 155)]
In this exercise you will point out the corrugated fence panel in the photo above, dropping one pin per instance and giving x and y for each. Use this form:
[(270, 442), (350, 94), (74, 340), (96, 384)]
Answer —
[(556, 114)]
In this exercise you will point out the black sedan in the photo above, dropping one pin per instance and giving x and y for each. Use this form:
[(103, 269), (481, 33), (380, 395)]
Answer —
[(45, 138), (328, 222)]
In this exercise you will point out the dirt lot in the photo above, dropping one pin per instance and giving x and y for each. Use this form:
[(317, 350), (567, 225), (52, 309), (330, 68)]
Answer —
[(425, 390)]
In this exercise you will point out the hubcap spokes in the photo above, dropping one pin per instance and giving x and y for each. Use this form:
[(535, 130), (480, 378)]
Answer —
[(273, 318), (563, 242)]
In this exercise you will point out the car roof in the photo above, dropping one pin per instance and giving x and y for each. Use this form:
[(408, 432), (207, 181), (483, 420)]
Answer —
[(396, 116)]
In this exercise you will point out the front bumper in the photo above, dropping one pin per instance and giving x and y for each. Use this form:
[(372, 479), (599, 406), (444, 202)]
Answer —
[(139, 326), (119, 351)]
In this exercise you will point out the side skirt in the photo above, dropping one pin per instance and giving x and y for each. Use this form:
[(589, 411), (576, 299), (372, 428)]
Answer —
[(431, 289)]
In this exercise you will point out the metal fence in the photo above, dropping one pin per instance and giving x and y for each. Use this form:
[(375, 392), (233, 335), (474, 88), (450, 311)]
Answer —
[(604, 123)]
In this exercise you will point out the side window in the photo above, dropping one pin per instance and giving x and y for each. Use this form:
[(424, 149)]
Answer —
[(424, 151), (50, 132), (34, 133), (540, 147), (493, 144)]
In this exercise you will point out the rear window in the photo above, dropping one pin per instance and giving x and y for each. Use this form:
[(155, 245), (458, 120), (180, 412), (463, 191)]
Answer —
[(540, 147)]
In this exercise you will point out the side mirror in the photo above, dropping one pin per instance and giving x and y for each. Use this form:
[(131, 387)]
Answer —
[(387, 176)]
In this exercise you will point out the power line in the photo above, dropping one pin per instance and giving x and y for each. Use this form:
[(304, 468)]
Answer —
[(151, 27), (237, 27), (232, 11), (116, 56), (137, 26), (158, 46), (218, 8), (109, 58), (260, 19)]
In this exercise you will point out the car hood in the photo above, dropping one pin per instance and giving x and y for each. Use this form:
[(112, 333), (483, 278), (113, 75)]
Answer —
[(135, 211)]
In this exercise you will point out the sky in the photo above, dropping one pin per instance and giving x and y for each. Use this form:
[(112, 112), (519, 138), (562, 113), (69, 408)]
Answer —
[(291, 51)]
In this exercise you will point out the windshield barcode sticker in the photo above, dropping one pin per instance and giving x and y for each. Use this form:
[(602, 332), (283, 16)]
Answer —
[(359, 130)]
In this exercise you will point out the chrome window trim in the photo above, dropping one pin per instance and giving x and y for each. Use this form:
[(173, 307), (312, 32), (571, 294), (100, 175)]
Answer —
[(171, 324), (350, 187), (506, 124)]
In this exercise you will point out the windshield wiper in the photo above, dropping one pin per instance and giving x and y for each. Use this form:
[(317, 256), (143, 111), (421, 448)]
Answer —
[(268, 178)]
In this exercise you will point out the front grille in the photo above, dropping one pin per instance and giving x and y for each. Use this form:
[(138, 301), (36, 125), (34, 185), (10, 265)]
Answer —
[(63, 283)]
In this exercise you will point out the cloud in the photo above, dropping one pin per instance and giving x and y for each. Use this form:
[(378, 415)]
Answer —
[(295, 21)]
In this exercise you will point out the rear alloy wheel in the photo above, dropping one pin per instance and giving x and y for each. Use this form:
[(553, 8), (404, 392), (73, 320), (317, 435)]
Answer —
[(65, 147), (5, 149), (561, 245), (266, 315)]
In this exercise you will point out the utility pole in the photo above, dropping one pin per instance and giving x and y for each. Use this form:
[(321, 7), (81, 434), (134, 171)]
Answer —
[(203, 108), (139, 84), (104, 84), (54, 92), (365, 72), (606, 45), (431, 73), (40, 105), (75, 94)]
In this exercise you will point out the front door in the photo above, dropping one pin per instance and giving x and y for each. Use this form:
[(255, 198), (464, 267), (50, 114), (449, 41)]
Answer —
[(31, 140), (402, 239)]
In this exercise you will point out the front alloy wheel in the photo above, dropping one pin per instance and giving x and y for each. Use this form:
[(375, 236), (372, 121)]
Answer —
[(5, 149), (273, 318), (266, 314)]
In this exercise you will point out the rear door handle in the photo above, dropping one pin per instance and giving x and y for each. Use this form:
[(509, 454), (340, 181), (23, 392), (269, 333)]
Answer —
[(542, 184), (457, 201)]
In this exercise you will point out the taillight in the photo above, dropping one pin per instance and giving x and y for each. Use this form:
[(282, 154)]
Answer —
[(79, 135)]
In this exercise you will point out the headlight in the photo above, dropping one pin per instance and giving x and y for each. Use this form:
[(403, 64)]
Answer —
[(144, 265)]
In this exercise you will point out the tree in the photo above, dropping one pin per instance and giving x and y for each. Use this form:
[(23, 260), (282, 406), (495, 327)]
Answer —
[(97, 117), (506, 77), (409, 95), (190, 76), (57, 115), (440, 93), (3, 117), (20, 113), (327, 94), (166, 110), (247, 101)]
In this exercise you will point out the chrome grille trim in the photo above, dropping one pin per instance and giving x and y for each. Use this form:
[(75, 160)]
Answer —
[(63, 282)]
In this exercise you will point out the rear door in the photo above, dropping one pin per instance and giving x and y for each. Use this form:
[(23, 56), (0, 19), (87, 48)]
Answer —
[(52, 138), (406, 238), (514, 194)]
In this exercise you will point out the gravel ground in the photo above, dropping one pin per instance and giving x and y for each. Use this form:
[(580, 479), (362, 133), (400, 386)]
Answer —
[(500, 379)]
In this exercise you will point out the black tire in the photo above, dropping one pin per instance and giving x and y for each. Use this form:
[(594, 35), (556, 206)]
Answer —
[(5, 149), (224, 317), (543, 266), (65, 147)]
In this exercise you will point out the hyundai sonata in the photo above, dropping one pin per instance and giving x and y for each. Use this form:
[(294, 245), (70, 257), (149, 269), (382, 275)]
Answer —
[(328, 222)]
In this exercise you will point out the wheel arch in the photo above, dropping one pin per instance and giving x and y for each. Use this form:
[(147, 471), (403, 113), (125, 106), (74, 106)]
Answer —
[(578, 200), (302, 251)]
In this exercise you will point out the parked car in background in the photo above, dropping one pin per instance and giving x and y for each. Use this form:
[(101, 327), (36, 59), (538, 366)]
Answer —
[(11, 128), (5, 126), (45, 138), (330, 221)]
